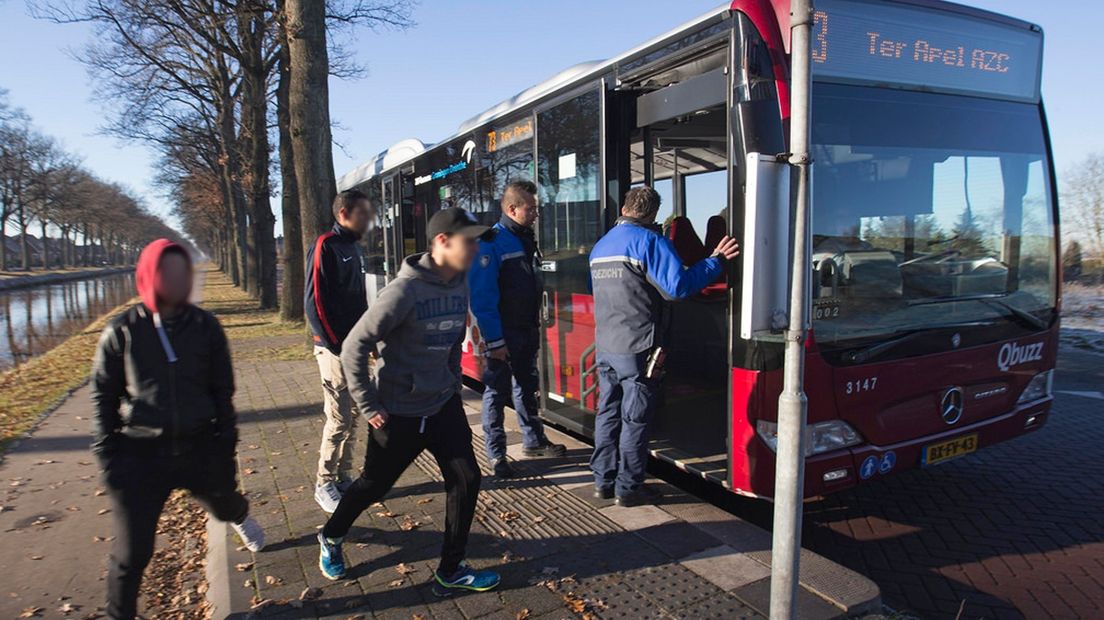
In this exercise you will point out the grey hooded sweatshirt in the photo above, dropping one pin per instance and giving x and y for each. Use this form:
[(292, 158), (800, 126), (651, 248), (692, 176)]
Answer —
[(414, 329)]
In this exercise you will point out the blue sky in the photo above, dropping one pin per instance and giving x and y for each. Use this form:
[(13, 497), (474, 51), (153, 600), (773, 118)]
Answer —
[(463, 57)]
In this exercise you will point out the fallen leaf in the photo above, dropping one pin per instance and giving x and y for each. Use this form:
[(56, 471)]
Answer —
[(408, 523), (46, 462), (405, 569), (309, 594), (249, 471), (575, 603), (377, 505), (261, 604), (68, 608), (30, 612), (417, 617), (100, 492), (272, 580), (36, 557), (425, 500), (396, 583), (508, 516), (385, 514), (69, 508), (248, 583), (538, 519), (244, 566), (103, 511), (522, 615)]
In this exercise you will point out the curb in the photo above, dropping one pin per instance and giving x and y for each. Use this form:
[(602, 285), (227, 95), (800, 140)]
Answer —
[(222, 597), (11, 284)]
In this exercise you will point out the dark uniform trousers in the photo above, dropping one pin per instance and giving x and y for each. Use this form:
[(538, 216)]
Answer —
[(626, 400)]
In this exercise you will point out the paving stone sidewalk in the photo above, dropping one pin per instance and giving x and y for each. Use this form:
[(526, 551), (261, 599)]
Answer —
[(561, 553)]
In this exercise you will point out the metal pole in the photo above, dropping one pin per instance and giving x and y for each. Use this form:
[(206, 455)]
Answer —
[(792, 404)]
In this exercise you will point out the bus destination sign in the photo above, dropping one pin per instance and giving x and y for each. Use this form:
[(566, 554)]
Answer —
[(925, 49)]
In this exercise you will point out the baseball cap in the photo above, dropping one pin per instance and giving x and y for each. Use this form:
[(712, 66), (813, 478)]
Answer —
[(457, 221)]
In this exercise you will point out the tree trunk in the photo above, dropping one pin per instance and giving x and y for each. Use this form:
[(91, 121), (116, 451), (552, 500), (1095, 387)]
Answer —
[(232, 191), (45, 248), (3, 244), (291, 298), (251, 28), (24, 250), (309, 105)]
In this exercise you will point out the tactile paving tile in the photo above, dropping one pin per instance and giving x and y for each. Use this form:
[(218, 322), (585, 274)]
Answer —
[(614, 599), (544, 510), (725, 607), (671, 586)]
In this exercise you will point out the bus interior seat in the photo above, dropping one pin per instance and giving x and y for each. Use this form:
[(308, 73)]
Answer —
[(715, 229), (687, 243)]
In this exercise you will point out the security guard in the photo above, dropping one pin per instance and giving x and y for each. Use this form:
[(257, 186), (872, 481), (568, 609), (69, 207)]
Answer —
[(634, 270), (506, 289)]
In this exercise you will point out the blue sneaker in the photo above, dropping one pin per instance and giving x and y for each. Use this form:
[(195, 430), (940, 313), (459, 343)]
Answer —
[(330, 559), (466, 578)]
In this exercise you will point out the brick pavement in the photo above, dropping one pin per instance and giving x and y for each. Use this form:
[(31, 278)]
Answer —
[(541, 528), (1014, 531)]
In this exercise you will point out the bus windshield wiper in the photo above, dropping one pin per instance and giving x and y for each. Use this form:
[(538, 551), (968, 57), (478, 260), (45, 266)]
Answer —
[(865, 354), (993, 299)]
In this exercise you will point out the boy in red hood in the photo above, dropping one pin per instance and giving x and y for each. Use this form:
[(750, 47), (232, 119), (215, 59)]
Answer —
[(162, 390)]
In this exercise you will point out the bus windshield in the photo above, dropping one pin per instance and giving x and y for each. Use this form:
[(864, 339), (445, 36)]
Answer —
[(929, 211)]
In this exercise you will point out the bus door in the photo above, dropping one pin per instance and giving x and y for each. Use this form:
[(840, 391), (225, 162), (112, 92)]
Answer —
[(680, 146), (569, 163), (392, 224)]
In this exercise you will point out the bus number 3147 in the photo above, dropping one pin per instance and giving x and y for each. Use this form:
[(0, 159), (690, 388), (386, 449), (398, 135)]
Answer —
[(861, 385)]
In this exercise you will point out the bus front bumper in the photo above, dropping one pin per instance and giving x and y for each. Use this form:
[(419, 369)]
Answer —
[(843, 469)]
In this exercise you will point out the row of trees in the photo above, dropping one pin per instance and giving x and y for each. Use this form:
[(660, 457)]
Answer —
[(211, 84), (44, 189)]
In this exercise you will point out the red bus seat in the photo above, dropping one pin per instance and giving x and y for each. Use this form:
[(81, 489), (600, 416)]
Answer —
[(687, 243), (715, 229)]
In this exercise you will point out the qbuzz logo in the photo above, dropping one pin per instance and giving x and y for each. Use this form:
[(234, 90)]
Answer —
[(466, 152), (1013, 354)]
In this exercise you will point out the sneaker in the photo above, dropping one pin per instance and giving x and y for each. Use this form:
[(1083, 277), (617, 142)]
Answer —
[(467, 578), (546, 449), (502, 468), (328, 496), (251, 534), (330, 559), (603, 492)]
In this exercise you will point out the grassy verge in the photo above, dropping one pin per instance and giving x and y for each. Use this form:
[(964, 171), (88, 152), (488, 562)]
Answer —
[(29, 390), (247, 327)]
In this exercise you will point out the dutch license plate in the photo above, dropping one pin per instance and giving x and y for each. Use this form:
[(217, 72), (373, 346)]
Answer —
[(951, 449)]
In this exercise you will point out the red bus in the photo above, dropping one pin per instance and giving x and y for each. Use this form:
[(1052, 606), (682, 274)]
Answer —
[(934, 233)]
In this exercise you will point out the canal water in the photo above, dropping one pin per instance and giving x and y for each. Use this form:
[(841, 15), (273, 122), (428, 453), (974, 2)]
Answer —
[(36, 319)]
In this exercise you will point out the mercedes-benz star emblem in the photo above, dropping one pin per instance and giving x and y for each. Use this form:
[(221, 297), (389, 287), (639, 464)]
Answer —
[(950, 408), (956, 340)]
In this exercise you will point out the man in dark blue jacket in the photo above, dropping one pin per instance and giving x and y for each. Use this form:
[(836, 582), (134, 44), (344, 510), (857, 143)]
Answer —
[(635, 271), (506, 290), (334, 299)]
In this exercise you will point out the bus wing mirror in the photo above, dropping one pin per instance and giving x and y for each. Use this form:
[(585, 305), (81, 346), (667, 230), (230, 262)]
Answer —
[(765, 275)]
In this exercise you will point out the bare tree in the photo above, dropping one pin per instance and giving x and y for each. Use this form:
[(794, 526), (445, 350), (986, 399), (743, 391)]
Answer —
[(1083, 203)]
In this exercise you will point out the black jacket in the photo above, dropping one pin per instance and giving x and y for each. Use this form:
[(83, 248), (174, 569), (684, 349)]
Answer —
[(139, 395), (334, 296)]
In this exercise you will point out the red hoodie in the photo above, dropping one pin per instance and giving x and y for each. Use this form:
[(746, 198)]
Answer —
[(147, 278), (147, 273)]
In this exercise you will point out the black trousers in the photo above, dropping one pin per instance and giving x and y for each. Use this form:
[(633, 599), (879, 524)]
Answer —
[(393, 448), (139, 483)]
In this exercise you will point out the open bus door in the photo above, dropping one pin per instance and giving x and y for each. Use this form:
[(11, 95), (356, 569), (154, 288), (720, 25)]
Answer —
[(569, 165)]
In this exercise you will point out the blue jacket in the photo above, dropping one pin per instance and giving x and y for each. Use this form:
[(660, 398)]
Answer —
[(334, 294), (506, 283), (634, 270)]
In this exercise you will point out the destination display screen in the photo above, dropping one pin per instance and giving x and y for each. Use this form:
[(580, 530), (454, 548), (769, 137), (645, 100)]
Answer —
[(888, 43)]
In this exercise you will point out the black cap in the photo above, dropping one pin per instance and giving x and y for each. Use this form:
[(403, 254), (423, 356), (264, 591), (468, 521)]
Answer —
[(457, 221)]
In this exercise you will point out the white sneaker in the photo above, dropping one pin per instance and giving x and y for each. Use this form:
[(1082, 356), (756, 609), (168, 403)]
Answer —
[(251, 534), (328, 496)]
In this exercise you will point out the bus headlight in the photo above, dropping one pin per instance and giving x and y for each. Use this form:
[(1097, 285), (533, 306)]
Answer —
[(1039, 387), (819, 437)]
